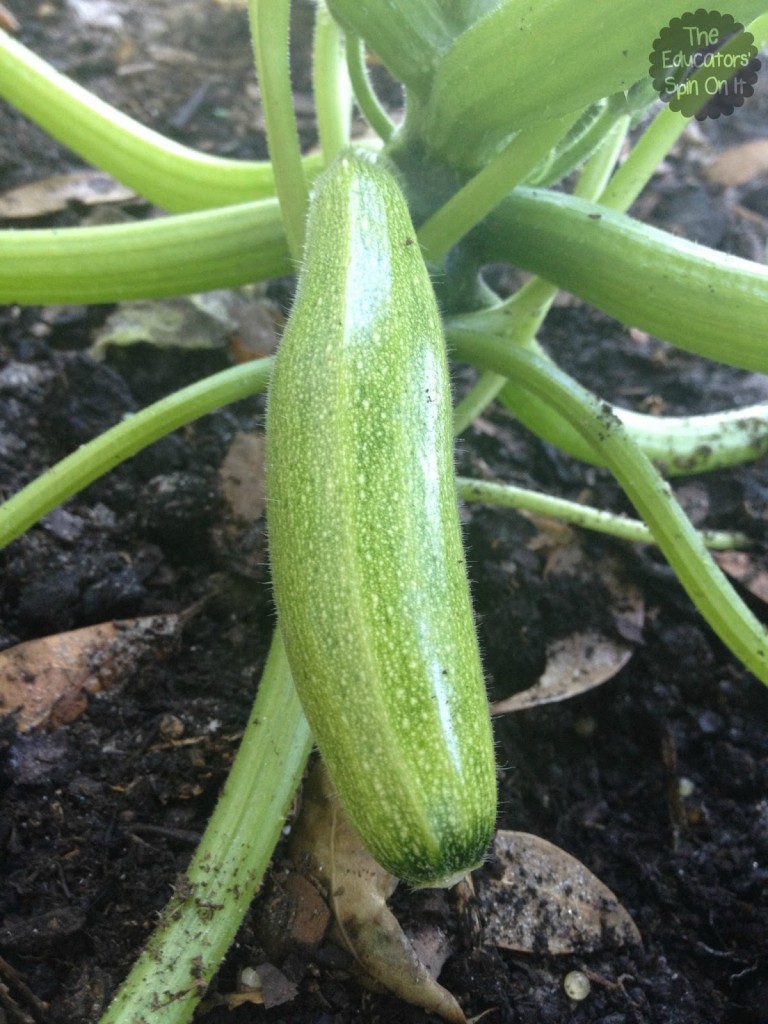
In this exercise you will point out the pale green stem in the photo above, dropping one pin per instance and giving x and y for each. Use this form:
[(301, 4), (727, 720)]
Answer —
[(211, 898), (92, 460), (366, 98), (651, 495), (332, 89), (524, 500), (270, 24), (646, 155), (528, 307), (175, 255), (597, 171), (488, 187), (173, 176)]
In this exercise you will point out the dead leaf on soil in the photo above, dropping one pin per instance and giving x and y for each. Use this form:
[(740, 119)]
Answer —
[(210, 320), (241, 477), (739, 164), (51, 195), (746, 568), (46, 682), (543, 900), (575, 664), (584, 659), (327, 851)]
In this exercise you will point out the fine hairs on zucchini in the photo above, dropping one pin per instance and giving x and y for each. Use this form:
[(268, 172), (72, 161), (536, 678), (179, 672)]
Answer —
[(367, 560)]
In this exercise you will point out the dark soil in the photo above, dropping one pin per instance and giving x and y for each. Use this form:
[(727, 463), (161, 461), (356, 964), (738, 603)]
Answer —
[(99, 816)]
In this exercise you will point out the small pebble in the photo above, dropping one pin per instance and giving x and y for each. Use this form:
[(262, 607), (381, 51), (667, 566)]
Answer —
[(171, 727), (576, 985), (685, 786)]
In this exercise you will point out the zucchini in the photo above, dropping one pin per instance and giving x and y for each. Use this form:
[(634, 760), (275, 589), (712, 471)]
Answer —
[(367, 561)]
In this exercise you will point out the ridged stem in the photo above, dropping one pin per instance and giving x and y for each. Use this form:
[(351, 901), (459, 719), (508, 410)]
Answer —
[(199, 923), (97, 457), (175, 177), (331, 85), (651, 495), (175, 255), (270, 24)]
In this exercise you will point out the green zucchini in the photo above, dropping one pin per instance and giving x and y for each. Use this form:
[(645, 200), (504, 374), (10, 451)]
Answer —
[(367, 561)]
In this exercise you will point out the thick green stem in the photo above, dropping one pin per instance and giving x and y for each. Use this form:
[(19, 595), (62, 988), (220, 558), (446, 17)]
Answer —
[(488, 187), (103, 453), (270, 24), (332, 89), (175, 255), (528, 307), (200, 921), (651, 495), (704, 301), (677, 445), (176, 178)]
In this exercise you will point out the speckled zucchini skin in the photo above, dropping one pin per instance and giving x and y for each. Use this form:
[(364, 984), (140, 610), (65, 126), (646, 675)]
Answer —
[(367, 560)]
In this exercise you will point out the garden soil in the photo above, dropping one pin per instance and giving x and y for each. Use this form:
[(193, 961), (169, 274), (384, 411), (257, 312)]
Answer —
[(657, 781)]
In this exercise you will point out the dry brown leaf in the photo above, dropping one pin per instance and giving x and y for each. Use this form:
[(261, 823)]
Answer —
[(584, 660), (747, 569), (575, 664), (46, 682), (739, 164), (543, 900), (326, 849), (241, 477), (50, 195)]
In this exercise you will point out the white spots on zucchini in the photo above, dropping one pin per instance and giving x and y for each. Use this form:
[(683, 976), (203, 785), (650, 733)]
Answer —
[(365, 445)]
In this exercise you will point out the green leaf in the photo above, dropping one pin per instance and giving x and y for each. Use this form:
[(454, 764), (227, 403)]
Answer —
[(525, 62), (409, 35)]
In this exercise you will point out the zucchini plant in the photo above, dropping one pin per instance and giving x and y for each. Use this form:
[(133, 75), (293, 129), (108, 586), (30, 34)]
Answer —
[(363, 523)]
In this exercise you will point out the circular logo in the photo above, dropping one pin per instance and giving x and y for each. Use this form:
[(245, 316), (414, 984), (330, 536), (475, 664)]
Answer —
[(704, 64)]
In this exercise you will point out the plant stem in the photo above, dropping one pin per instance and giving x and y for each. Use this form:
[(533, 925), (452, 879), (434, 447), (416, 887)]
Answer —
[(598, 169), (103, 453), (200, 921), (270, 23), (646, 155), (705, 584), (366, 98), (175, 177), (702, 300), (488, 187), (176, 255), (528, 307), (332, 89), (677, 445), (523, 499)]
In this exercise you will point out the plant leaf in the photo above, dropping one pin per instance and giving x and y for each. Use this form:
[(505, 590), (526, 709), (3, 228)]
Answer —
[(540, 61), (45, 682), (543, 900), (327, 850)]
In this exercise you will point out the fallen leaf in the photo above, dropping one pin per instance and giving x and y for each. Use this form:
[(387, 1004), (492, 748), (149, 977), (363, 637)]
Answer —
[(164, 323), (241, 477), (51, 195), (540, 899), (223, 318), (325, 849), (739, 164), (584, 659), (46, 682), (575, 664), (8, 20), (746, 568)]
